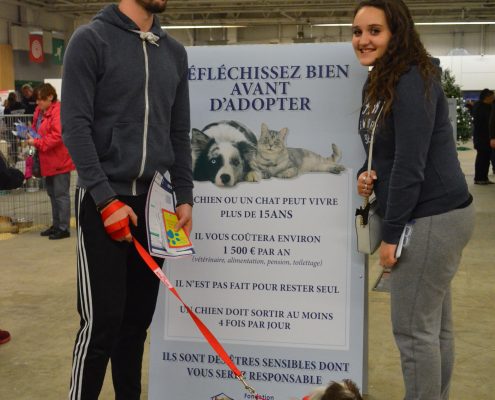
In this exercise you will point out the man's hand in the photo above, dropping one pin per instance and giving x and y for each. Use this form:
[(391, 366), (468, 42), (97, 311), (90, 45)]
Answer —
[(120, 216), (184, 215), (492, 143)]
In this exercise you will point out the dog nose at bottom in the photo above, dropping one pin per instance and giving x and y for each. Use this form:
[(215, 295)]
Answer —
[(225, 178)]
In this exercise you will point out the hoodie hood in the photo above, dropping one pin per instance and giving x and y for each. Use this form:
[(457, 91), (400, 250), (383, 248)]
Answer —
[(112, 15)]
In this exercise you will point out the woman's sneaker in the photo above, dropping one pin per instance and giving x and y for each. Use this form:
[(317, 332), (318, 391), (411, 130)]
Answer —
[(49, 231), (59, 234)]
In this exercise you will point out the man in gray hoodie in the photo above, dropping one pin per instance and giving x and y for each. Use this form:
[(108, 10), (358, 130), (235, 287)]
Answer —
[(125, 115)]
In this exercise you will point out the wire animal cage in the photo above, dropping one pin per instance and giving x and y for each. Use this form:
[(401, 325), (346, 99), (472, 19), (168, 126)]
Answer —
[(27, 208)]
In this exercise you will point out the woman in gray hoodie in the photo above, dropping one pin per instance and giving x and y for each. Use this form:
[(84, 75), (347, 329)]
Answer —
[(417, 180)]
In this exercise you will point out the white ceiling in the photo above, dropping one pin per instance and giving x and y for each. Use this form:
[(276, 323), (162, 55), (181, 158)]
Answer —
[(269, 12)]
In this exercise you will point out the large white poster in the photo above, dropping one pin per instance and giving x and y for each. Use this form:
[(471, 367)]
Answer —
[(276, 276)]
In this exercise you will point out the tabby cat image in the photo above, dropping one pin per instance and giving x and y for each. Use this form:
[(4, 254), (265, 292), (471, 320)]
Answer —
[(275, 159)]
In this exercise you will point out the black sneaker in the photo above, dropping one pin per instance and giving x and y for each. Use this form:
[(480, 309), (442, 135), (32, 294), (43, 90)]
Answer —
[(49, 231), (59, 234), (487, 182)]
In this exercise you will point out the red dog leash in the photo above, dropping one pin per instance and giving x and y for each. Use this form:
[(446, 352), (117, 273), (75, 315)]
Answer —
[(120, 230)]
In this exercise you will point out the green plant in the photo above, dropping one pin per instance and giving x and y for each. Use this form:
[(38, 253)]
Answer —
[(464, 119)]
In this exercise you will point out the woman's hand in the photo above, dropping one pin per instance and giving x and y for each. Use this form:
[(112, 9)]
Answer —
[(365, 183), (387, 255)]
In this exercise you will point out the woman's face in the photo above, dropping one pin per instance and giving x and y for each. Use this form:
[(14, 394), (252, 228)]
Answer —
[(370, 35), (44, 104)]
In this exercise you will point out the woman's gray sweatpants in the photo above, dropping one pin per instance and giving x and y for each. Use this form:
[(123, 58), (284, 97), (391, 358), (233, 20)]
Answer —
[(421, 302), (58, 189)]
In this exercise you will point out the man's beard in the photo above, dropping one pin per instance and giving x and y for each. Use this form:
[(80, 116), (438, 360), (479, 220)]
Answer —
[(152, 6)]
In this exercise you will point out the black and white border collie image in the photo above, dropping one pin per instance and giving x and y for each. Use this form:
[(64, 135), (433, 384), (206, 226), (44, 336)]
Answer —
[(224, 153)]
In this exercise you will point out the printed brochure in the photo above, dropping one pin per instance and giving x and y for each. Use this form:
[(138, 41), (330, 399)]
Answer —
[(164, 241), (22, 131)]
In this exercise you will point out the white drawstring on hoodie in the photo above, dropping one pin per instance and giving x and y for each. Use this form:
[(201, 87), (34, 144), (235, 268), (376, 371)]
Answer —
[(148, 36), (152, 39)]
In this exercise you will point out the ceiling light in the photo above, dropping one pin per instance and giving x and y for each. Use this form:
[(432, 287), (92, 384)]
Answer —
[(429, 23), (332, 25), (457, 23), (201, 26)]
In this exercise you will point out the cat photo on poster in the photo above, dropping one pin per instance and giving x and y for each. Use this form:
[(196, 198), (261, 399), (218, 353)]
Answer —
[(228, 152)]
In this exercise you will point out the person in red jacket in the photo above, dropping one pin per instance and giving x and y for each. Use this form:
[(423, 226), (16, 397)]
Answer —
[(55, 161)]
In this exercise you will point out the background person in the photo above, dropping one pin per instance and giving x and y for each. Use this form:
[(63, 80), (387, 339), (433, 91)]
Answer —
[(12, 105), (481, 137), (55, 162), (117, 146), (417, 179), (28, 99), (491, 131)]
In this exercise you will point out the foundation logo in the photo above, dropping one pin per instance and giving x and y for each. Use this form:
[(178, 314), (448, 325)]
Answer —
[(221, 396)]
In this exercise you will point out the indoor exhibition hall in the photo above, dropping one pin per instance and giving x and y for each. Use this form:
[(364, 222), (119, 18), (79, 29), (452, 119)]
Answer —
[(264, 199)]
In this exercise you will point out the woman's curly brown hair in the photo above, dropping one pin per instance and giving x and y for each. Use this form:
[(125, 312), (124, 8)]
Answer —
[(404, 49)]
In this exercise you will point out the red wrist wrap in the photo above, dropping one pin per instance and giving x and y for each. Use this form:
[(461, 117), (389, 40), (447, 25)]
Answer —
[(119, 229)]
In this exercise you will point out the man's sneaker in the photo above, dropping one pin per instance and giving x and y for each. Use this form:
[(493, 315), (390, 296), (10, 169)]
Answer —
[(49, 231), (4, 336), (59, 234), (487, 182)]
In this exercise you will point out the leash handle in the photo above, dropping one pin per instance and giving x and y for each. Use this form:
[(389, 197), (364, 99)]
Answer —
[(120, 229)]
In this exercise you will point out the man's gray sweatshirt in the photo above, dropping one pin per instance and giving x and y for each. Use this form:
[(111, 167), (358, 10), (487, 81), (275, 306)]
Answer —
[(125, 109)]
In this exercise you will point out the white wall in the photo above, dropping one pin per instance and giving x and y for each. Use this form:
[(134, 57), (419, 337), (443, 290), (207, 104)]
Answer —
[(474, 39), (471, 72)]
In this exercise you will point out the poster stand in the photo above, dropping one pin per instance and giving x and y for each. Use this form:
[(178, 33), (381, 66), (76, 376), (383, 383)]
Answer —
[(276, 276)]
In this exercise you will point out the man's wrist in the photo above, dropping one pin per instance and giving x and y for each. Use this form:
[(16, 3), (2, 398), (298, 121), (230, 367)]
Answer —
[(182, 203), (101, 206)]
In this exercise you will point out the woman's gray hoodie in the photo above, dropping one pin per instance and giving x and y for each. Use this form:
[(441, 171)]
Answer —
[(125, 109), (414, 156)]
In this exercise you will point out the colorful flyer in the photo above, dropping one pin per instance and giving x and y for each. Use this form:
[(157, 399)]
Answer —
[(175, 239), (163, 240)]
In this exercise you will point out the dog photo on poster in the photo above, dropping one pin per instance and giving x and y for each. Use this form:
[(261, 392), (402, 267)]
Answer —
[(276, 276)]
